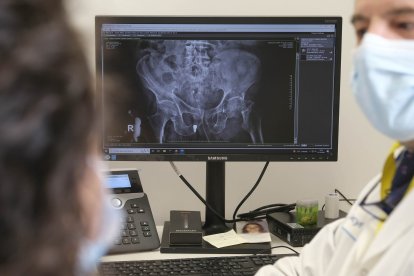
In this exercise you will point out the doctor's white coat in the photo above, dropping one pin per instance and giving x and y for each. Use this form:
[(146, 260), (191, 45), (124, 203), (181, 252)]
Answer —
[(351, 246)]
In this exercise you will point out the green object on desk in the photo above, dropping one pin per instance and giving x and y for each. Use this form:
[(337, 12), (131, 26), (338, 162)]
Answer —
[(307, 212)]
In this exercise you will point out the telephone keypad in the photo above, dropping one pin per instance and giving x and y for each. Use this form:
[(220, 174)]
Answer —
[(136, 228)]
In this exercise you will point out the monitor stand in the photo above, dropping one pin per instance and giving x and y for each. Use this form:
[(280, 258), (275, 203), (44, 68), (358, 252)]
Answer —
[(215, 197)]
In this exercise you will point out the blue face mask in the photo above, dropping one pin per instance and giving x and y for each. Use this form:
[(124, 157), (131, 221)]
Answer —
[(383, 84), (92, 250)]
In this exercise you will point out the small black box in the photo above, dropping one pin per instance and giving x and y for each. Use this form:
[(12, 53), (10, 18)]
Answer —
[(185, 228), (284, 226)]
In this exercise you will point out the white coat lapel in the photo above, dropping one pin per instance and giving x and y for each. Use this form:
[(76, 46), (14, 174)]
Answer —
[(397, 224)]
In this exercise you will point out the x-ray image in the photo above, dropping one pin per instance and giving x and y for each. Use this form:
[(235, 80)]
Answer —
[(200, 89), (237, 91)]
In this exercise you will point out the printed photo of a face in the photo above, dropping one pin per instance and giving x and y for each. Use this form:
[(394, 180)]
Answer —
[(252, 228), (255, 231)]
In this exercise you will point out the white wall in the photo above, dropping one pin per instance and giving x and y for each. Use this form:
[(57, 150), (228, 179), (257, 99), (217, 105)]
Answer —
[(361, 149)]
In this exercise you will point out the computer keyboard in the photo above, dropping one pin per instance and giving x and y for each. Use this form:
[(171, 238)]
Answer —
[(228, 265)]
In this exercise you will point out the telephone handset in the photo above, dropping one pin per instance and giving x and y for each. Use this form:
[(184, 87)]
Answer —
[(137, 227)]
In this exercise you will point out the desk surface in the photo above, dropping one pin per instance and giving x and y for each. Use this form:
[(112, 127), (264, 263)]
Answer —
[(157, 255)]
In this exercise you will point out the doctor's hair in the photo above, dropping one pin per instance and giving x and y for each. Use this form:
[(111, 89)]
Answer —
[(47, 126)]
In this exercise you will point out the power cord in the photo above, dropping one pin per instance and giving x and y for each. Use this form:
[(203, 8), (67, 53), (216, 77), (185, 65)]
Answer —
[(345, 198), (251, 190), (279, 246), (268, 209), (199, 196)]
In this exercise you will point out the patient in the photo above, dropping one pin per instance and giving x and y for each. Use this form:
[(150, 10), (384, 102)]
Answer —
[(52, 202)]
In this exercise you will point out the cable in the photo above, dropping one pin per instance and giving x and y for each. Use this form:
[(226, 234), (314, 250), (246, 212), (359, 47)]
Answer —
[(344, 197), (279, 246), (200, 197), (251, 190), (269, 206), (265, 211), (238, 206)]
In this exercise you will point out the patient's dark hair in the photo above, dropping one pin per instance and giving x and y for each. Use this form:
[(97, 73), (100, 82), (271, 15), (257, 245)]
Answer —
[(46, 132)]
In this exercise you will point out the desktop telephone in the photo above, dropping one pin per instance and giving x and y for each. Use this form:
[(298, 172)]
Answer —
[(138, 230)]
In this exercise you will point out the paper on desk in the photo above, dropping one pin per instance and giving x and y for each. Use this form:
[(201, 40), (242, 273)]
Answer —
[(224, 239)]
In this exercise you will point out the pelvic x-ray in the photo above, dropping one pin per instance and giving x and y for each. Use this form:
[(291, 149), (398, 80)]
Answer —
[(206, 90)]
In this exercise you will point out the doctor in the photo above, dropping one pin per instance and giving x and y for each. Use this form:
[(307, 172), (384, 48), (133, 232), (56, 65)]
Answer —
[(377, 236)]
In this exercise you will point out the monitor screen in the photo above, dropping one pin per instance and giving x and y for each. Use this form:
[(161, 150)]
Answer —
[(219, 89)]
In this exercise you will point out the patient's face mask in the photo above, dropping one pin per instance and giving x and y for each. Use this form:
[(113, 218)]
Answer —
[(383, 84)]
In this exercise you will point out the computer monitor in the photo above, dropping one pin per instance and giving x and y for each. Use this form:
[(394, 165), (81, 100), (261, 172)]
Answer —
[(219, 89)]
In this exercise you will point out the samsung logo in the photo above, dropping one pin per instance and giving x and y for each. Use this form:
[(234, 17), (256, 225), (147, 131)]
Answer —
[(217, 158)]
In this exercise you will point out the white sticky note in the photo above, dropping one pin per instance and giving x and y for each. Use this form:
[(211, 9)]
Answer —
[(224, 239)]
